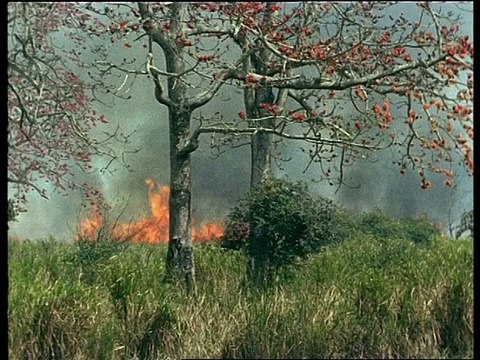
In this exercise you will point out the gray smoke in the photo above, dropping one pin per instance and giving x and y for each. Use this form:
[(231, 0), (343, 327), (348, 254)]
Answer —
[(219, 183)]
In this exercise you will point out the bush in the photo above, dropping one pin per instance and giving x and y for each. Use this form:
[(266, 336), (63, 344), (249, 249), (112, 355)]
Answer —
[(91, 254), (419, 229), (11, 213), (279, 222), (382, 226)]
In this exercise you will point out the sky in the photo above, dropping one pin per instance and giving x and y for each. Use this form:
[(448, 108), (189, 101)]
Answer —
[(219, 182)]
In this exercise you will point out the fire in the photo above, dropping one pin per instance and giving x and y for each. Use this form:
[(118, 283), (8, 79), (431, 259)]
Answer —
[(151, 229)]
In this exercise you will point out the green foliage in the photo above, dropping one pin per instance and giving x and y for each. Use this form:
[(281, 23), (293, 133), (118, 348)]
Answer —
[(367, 298), (382, 226), (279, 222), (379, 225), (11, 213), (362, 298), (92, 254), (419, 229)]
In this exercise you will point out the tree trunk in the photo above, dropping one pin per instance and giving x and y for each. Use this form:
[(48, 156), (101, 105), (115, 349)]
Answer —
[(261, 159), (261, 146), (180, 265), (261, 142)]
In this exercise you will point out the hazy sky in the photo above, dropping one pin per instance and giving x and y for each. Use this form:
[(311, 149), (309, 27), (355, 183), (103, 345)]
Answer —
[(218, 183)]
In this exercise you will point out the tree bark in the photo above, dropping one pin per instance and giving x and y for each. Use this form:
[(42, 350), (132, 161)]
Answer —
[(261, 145), (180, 265)]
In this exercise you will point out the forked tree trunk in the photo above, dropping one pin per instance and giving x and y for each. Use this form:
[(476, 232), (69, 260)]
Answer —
[(179, 265)]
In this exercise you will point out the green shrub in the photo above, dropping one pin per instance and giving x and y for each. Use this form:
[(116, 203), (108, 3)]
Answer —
[(419, 229), (11, 213), (379, 225), (279, 222), (385, 227), (91, 254)]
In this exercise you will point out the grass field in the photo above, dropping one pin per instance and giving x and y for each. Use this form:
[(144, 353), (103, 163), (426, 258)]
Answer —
[(364, 298)]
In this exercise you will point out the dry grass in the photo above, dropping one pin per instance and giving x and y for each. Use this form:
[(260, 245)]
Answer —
[(361, 299)]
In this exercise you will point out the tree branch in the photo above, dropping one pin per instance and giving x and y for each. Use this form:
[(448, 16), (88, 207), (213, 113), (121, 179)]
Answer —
[(28, 183), (301, 83), (159, 93), (194, 142), (151, 29)]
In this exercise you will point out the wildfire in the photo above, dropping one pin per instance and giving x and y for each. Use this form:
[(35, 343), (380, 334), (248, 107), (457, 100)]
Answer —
[(153, 229)]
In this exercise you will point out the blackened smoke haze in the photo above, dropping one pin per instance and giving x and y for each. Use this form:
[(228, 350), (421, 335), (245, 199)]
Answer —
[(219, 183)]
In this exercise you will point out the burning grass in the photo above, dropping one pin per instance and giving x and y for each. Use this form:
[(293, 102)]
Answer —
[(153, 228), (364, 298)]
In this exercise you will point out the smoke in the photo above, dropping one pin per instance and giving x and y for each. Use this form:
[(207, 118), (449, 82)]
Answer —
[(382, 186), (219, 182)]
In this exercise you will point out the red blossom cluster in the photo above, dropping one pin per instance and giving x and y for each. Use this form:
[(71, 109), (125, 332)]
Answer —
[(298, 116), (382, 114), (204, 58), (269, 107)]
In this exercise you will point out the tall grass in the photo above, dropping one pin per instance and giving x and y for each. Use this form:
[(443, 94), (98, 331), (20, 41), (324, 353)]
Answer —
[(364, 298)]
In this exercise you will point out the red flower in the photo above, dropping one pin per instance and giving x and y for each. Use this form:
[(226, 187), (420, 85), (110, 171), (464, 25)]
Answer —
[(386, 105), (123, 25), (274, 7), (251, 78), (242, 114), (360, 93), (299, 116), (204, 57), (358, 124), (102, 119), (426, 184)]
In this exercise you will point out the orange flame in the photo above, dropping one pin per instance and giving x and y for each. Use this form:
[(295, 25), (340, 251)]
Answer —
[(153, 229)]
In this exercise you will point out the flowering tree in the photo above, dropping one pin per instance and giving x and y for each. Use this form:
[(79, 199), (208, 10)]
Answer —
[(50, 113), (361, 79), (350, 79), (187, 68)]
